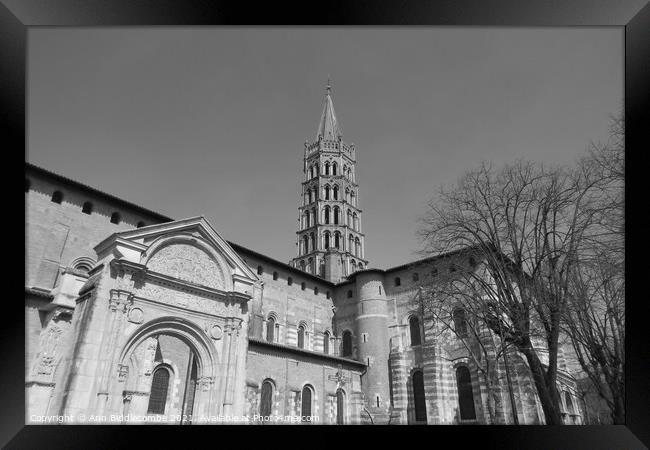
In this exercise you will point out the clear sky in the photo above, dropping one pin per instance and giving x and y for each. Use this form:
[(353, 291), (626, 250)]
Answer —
[(212, 121)]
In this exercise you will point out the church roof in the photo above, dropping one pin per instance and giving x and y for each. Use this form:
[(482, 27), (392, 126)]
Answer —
[(328, 127)]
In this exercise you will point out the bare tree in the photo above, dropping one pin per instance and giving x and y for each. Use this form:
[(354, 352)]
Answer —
[(526, 222), (595, 318)]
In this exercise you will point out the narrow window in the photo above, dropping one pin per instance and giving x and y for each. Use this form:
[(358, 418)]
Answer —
[(347, 343), (305, 409), (315, 290), (350, 293), (418, 397), (270, 330), (159, 388), (569, 404), (327, 294), (398, 281), (414, 327), (140, 224), (340, 406), (460, 323), (379, 286), (260, 270), (465, 394), (303, 285), (326, 343), (116, 218), (266, 401), (301, 336), (416, 276), (87, 208), (275, 275), (57, 197), (377, 398), (289, 281)]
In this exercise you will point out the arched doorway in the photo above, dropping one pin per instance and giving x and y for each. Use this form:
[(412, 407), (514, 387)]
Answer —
[(167, 368)]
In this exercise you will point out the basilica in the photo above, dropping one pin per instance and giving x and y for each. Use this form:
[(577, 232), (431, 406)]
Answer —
[(134, 317)]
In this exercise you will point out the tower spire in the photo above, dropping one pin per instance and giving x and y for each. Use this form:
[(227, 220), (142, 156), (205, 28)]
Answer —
[(328, 127)]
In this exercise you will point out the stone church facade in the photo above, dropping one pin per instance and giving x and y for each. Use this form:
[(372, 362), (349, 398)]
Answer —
[(133, 317)]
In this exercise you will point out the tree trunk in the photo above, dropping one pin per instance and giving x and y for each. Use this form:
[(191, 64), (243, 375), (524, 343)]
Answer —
[(548, 396)]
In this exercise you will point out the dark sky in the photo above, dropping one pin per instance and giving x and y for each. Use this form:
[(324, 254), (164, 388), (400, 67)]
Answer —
[(212, 121)]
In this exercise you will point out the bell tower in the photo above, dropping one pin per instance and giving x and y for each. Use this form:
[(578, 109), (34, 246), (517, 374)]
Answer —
[(330, 240)]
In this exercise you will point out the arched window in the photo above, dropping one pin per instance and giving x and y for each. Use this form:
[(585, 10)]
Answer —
[(305, 398), (305, 245), (398, 281), (357, 244), (336, 215), (87, 208), (414, 327), (337, 240), (350, 293), (275, 275), (569, 404), (307, 225), (270, 329), (311, 172), (315, 290), (354, 265), (347, 343), (83, 264), (266, 400), (418, 397), (159, 388), (327, 214), (289, 281), (57, 197), (313, 241), (301, 336), (303, 285), (327, 168), (460, 323), (334, 168), (355, 221), (310, 267), (340, 407), (302, 265), (349, 218), (465, 394), (353, 198), (140, 224), (326, 343), (327, 192), (116, 218), (309, 196), (314, 216), (327, 241), (335, 192), (260, 270)]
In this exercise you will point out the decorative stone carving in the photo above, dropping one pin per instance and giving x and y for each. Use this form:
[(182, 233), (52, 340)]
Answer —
[(120, 300), (216, 332), (189, 263), (122, 372), (135, 315), (150, 355), (182, 299), (46, 358), (205, 382)]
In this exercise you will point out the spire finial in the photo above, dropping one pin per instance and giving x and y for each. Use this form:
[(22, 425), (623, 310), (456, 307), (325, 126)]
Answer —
[(329, 86)]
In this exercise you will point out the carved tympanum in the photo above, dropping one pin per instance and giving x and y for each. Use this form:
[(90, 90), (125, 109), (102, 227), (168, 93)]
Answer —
[(189, 263)]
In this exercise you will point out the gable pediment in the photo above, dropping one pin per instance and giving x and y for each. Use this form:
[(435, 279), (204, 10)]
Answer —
[(189, 250)]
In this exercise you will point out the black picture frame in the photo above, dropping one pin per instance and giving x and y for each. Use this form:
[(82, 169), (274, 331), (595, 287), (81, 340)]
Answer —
[(18, 16)]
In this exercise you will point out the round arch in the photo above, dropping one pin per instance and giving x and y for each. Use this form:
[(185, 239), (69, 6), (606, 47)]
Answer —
[(165, 241)]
